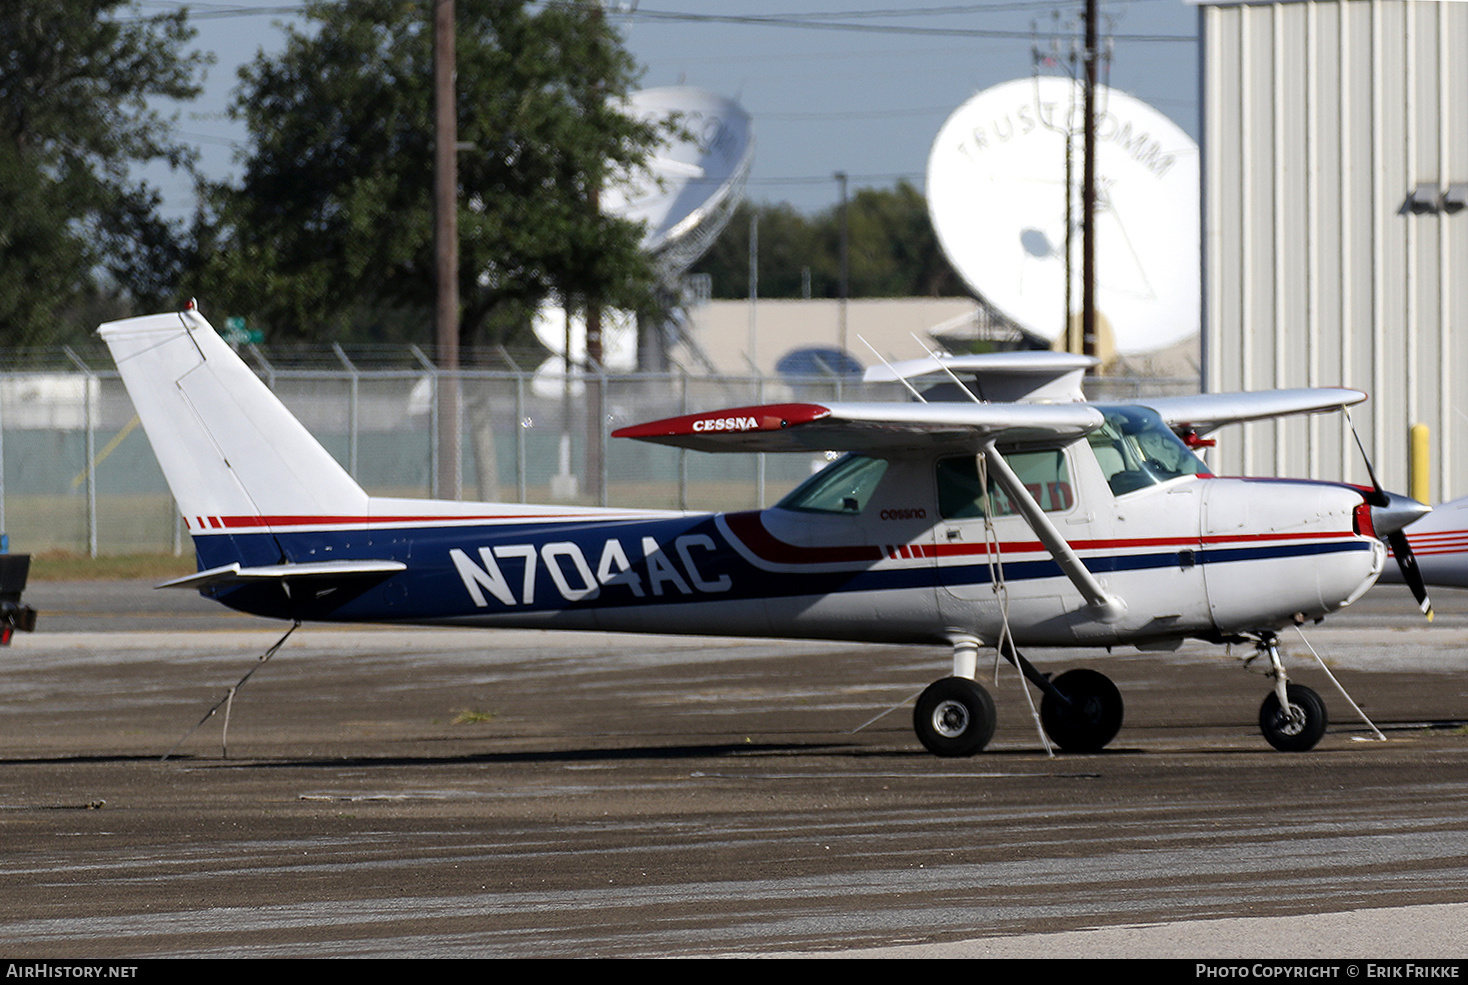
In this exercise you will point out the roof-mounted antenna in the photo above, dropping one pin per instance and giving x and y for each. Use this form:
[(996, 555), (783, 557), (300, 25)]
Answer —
[(900, 378), (944, 367)]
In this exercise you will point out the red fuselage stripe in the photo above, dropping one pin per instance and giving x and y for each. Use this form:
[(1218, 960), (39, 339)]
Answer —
[(749, 527)]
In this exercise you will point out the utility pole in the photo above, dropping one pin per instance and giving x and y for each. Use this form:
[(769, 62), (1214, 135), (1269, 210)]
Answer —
[(845, 260), (446, 246), (595, 348), (1088, 190), (1070, 326), (753, 344)]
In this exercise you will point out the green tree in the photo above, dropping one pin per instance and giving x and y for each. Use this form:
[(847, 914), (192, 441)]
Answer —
[(789, 245), (333, 217), (75, 77), (892, 250)]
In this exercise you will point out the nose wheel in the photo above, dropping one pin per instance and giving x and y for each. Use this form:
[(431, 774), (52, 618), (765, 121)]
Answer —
[(1293, 717), (1298, 724)]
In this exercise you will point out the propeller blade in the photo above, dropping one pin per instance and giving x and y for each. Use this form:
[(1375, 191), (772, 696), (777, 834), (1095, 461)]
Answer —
[(1411, 574), (1389, 517), (1379, 495), (1396, 512)]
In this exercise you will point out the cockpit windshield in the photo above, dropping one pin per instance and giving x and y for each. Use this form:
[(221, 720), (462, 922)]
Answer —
[(1136, 450), (842, 487)]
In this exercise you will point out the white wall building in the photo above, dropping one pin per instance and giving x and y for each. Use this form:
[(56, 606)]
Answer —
[(1335, 176)]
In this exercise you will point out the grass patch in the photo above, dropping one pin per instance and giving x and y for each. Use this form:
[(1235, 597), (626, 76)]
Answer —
[(1444, 729), (69, 566)]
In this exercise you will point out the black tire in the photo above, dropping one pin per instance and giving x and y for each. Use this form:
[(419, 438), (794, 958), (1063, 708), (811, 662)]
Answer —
[(1092, 717), (1297, 732), (954, 717)]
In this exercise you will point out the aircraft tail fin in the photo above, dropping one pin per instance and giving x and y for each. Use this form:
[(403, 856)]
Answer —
[(233, 455)]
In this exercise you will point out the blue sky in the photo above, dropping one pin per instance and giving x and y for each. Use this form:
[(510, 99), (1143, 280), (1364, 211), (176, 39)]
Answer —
[(860, 86)]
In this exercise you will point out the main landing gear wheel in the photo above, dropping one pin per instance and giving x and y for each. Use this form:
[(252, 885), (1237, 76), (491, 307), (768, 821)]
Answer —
[(1092, 717), (1297, 727), (954, 717)]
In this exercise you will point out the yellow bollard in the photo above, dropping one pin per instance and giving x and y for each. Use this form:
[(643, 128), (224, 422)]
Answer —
[(1417, 463)]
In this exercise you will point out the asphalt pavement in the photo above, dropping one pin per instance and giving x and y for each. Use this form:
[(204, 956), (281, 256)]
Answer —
[(415, 793)]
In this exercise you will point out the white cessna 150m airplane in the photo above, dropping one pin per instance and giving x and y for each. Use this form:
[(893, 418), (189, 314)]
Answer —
[(1034, 519)]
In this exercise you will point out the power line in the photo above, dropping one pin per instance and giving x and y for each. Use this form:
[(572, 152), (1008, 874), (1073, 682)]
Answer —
[(816, 22), (825, 179), (829, 21), (218, 11), (869, 114)]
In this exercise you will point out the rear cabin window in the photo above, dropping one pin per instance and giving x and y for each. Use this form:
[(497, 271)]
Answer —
[(1044, 473)]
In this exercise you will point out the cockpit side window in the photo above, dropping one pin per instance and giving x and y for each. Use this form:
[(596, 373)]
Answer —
[(1136, 450), (1043, 472), (846, 486)]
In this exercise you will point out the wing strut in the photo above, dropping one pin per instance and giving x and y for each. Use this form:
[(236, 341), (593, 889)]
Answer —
[(1108, 608)]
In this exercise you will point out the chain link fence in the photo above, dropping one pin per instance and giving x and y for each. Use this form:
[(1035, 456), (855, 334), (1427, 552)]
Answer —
[(77, 473)]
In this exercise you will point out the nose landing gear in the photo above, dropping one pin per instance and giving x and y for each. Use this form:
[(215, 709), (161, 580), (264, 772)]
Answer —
[(1293, 717)]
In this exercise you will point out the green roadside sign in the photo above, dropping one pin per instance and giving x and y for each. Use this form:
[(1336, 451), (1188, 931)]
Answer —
[(236, 332)]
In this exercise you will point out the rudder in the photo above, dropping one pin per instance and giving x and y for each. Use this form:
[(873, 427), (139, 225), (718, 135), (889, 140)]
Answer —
[(233, 455)]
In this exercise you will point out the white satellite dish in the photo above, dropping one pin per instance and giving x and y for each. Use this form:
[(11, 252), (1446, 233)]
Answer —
[(692, 182), (997, 192)]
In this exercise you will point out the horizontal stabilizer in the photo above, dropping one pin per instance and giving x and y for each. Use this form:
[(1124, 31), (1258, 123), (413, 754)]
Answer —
[(233, 574)]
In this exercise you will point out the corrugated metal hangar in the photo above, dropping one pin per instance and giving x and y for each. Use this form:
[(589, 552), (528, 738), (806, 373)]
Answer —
[(1335, 220)]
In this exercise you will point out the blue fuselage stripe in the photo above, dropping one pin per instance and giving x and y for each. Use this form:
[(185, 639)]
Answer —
[(605, 564)]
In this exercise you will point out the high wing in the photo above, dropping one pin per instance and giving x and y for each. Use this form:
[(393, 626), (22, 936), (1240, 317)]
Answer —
[(1206, 412), (872, 427), (866, 427)]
